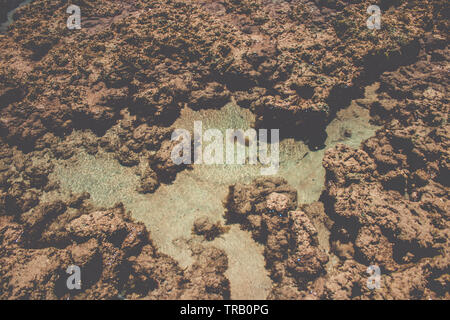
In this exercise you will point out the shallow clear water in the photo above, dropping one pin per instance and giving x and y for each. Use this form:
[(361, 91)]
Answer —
[(169, 213), (9, 17)]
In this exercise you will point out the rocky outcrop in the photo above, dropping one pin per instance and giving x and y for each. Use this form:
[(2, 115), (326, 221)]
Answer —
[(389, 199), (115, 255), (152, 59), (204, 227), (268, 209), (127, 74)]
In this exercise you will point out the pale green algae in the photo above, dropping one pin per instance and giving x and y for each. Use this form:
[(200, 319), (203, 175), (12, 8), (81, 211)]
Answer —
[(169, 213)]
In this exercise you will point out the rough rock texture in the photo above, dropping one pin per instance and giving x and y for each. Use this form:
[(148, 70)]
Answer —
[(116, 257), (135, 64), (292, 62), (203, 226), (267, 208), (390, 199)]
